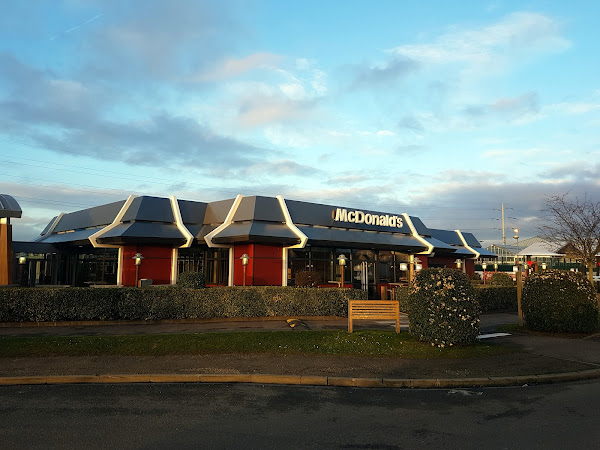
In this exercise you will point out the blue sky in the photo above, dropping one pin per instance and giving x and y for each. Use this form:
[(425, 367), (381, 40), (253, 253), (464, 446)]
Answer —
[(437, 109)]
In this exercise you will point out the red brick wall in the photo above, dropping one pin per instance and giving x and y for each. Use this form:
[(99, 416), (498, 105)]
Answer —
[(156, 264), (264, 266)]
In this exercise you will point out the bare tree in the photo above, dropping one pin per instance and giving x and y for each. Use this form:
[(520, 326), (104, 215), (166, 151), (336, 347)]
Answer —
[(574, 226)]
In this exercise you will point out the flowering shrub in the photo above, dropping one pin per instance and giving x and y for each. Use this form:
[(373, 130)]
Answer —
[(443, 309), (501, 279), (560, 301)]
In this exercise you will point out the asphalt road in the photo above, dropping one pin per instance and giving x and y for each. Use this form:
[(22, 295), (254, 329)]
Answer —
[(257, 416)]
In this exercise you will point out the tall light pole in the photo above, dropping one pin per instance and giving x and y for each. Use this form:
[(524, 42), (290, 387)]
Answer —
[(22, 262), (519, 279), (484, 266)]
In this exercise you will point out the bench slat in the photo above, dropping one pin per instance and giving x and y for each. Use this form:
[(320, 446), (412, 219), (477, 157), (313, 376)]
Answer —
[(373, 309)]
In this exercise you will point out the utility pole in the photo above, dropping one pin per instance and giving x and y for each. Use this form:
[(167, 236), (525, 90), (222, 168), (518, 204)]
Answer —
[(503, 232)]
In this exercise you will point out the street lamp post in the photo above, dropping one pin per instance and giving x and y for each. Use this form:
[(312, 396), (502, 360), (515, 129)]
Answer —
[(484, 266), (495, 267), (22, 261), (138, 262), (245, 258), (519, 279), (342, 262), (458, 263)]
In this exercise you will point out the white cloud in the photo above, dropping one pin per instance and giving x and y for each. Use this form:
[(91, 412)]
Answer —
[(230, 68), (491, 47), (573, 108)]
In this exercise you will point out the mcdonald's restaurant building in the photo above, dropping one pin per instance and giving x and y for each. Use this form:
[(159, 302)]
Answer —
[(247, 240)]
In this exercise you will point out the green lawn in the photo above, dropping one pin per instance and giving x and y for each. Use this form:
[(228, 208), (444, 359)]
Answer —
[(359, 343)]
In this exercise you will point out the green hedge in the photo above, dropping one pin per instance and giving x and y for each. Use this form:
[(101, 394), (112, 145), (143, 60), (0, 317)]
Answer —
[(496, 298), (152, 303), (402, 297), (190, 279), (560, 301), (490, 298), (501, 279)]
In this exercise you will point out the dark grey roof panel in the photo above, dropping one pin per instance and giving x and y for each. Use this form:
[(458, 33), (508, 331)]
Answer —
[(74, 237), (439, 246), (32, 247), (420, 226), (485, 253), (192, 212), (144, 229), (47, 227), (462, 251), (200, 232), (361, 239), (261, 232), (9, 207), (259, 208), (216, 212), (152, 209), (447, 236), (91, 217), (471, 240)]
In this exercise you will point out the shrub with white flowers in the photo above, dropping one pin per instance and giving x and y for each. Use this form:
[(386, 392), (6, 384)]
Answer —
[(443, 308), (560, 301)]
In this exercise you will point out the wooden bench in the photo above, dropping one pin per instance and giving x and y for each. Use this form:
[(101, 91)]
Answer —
[(373, 310)]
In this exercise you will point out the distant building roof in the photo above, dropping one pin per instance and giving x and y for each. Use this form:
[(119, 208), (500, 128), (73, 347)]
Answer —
[(542, 248)]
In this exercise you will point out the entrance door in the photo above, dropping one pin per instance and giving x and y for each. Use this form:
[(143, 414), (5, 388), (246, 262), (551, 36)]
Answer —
[(367, 278)]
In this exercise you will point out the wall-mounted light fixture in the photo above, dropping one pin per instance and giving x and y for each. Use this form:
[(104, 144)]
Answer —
[(418, 265)]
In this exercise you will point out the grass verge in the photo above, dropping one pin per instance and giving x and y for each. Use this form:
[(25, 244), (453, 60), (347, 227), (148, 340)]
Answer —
[(360, 343)]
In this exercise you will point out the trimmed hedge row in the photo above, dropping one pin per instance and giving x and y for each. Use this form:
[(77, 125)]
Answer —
[(560, 301), (153, 303), (497, 298), (490, 298)]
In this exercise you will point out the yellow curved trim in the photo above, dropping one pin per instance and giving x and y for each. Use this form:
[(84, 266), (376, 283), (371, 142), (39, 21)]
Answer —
[(94, 237), (462, 238), (228, 221), (417, 236), (179, 223)]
